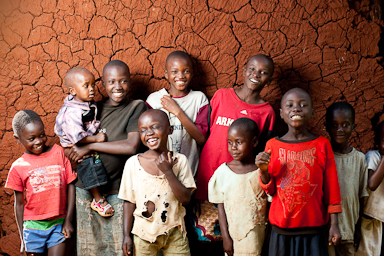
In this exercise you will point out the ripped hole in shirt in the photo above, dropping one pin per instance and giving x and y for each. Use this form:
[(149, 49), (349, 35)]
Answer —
[(150, 209), (164, 216)]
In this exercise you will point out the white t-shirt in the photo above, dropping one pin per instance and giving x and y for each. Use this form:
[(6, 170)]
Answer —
[(180, 141), (245, 202), (374, 205)]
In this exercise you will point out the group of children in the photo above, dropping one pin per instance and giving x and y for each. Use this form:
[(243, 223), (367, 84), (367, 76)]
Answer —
[(326, 195)]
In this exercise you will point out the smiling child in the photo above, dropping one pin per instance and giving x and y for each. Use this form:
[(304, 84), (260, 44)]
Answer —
[(155, 186), (298, 170)]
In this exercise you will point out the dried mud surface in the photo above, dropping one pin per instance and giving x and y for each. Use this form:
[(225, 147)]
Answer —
[(328, 47)]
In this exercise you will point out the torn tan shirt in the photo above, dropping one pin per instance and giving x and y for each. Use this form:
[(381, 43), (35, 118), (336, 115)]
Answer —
[(245, 202), (139, 187)]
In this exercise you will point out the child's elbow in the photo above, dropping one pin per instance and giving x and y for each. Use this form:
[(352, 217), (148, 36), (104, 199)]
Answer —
[(371, 186)]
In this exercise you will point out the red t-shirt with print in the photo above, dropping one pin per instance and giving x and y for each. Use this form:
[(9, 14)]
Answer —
[(304, 183), (45, 178)]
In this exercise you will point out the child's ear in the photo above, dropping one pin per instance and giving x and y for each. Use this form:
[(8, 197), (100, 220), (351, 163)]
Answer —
[(16, 138), (244, 70), (281, 114), (170, 129), (72, 91), (255, 141), (166, 74)]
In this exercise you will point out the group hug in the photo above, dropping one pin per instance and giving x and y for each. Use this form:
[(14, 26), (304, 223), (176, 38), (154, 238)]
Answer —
[(181, 175)]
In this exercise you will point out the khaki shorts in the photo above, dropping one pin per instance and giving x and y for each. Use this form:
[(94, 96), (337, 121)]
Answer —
[(371, 235), (172, 243), (345, 248)]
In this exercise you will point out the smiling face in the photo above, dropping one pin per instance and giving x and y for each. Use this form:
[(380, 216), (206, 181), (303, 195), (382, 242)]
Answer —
[(178, 72), (296, 108), (116, 80), (154, 129), (81, 85), (341, 127), (258, 72), (33, 138), (240, 143)]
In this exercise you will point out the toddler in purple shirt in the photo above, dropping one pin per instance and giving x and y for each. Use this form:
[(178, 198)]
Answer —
[(76, 123)]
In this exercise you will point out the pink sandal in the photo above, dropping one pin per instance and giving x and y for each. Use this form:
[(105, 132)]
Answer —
[(97, 206)]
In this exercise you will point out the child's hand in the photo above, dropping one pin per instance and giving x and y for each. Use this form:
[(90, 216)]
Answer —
[(170, 105), (67, 229), (228, 246), (334, 235), (127, 246), (101, 137), (262, 160), (165, 162)]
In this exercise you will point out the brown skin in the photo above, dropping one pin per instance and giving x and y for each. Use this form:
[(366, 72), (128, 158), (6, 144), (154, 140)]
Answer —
[(340, 130), (157, 160), (240, 146), (296, 111), (257, 73), (179, 69)]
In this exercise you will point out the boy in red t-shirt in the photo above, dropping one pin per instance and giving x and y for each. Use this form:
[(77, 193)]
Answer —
[(43, 172), (298, 170)]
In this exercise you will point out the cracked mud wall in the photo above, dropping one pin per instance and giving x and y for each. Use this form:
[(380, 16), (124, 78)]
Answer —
[(331, 48)]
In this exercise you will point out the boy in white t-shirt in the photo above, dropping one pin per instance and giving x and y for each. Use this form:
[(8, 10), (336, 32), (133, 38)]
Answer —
[(155, 186), (187, 110)]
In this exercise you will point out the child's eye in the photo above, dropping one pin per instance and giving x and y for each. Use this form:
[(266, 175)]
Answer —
[(173, 71), (154, 127), (30, 139), (143, 130), (251, 69), (239, 142), (85, 86), (303, 105), (345, 125), (93, 85), (123, 81), (229, 142), (186, 71), (263, 72), (111, 82)]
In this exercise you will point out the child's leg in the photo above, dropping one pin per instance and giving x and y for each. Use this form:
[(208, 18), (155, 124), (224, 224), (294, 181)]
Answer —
[(174, 243), (57, 250), (145, 248), (98, 196)]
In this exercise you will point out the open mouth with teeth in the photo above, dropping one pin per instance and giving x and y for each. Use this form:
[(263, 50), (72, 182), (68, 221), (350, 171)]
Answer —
[(152, 142), (38, 147), (254, 80), (296, 117)]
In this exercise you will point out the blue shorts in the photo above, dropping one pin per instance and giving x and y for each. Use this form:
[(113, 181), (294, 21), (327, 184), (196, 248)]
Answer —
[(36, 241)]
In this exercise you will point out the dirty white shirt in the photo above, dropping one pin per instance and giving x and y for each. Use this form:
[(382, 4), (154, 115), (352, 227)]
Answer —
[(374, 205), (139, 187), (245, 202)]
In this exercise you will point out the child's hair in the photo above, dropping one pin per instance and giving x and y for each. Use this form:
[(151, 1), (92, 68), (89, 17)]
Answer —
[(343, 106), (157, 112), (22, 118), (248, 126), (265, 57), (378, 130), (115, 63), (68, 75), (178, 54)]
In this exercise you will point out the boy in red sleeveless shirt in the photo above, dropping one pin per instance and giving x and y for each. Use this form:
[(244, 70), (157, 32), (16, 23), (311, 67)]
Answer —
[(298, 170)]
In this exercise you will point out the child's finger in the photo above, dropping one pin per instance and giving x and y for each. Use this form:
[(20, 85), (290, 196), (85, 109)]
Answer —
[(269, 152), (169, 157)]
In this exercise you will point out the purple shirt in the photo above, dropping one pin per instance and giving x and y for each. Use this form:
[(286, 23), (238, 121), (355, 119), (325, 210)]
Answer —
[(69, 123)]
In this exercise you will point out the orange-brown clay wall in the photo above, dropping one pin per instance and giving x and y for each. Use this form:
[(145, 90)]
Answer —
[(326, 47)]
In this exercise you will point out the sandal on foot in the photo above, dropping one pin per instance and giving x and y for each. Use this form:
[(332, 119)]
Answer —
[(97, 206)]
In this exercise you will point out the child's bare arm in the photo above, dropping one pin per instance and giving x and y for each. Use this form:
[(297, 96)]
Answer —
[(128, 209), (128, 146), (68, 227), (19, 214), (170, 105), (227, 240), (334, 233), (376, 177), (100, 137), (262, 161), (164, 163)]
